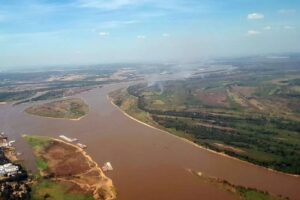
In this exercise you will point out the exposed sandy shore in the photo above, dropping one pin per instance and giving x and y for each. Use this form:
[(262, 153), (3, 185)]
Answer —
[(192, 143)]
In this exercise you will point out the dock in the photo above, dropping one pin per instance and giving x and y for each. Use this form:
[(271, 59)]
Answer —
[(68, 139)]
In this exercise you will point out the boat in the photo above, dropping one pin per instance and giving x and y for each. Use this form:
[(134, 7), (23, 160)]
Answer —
[(107, 167)]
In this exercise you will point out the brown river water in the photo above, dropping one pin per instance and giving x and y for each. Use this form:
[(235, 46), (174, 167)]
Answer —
[(148, 164)]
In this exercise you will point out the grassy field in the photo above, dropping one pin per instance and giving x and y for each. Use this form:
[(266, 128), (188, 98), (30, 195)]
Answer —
[(67, 109), (254, 117)]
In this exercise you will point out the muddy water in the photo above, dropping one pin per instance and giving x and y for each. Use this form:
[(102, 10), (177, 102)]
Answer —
[(148, 164)]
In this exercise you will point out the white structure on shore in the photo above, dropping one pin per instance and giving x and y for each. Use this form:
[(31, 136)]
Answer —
[(68, 139), (8, 168)]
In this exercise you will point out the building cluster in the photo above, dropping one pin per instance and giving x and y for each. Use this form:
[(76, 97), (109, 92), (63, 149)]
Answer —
[(13, 178), (7, 168)]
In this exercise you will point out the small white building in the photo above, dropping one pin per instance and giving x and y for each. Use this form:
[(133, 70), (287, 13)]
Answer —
[(8, 168)]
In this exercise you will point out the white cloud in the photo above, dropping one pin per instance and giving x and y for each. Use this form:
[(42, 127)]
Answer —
[(253, 32), (267, 28), (255, 16), (141, 37), (166, 34), (104, 34), (287, 11)]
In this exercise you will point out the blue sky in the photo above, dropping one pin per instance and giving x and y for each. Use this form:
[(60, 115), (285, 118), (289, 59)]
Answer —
[(50, 32)]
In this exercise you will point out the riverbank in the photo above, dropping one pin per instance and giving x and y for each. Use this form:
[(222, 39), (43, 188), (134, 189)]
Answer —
[(192, 143), (70, 167)]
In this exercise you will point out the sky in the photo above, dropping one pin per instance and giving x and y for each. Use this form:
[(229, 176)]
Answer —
[(67, 32)]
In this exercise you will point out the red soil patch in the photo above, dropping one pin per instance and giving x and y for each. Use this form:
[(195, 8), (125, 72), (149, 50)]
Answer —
[(65, 160), (218, 98)]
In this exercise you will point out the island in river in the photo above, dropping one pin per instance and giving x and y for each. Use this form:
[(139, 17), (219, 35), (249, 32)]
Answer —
[(67, 172), (73, 109)]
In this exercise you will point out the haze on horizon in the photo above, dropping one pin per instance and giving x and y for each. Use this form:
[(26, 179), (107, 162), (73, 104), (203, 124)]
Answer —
[(53, 32)]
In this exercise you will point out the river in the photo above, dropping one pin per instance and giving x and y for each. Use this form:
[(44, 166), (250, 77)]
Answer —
[(148, 164)]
